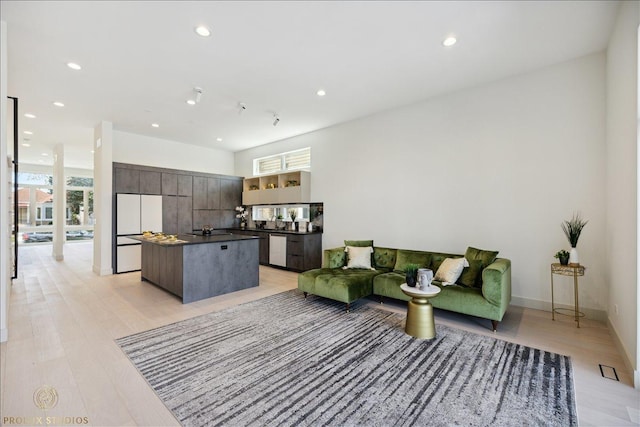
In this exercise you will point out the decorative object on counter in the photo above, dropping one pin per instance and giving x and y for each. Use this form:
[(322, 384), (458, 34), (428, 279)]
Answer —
[(572, 230), (411, 274), (271, 185), (242, 215), (292, 183), (253, 187), (425, 276), (206, 230), (563, 256), (292, 214), (279, 225)]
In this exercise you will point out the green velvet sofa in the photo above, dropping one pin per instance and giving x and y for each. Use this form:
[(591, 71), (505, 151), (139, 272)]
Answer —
[(483, 289)]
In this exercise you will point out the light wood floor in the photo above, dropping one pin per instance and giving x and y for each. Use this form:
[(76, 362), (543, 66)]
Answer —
[(63, 320)]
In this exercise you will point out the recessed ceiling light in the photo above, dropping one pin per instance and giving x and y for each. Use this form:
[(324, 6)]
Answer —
[(321, 92), (28, 132), (58, 104), (219, 139), (155, 125), (40, 161), (30, 116), (191, 102), (203, 31), (74, 66), (26, 144), (44, 154), (449, 41)]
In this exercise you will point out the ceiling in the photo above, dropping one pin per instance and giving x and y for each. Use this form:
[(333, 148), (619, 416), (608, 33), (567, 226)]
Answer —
[(141, 60)]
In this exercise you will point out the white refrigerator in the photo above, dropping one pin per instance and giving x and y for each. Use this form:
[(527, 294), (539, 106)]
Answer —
[(135, 213)]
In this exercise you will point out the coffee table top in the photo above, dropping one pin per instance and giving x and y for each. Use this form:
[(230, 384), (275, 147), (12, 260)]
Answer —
[(416, 292)]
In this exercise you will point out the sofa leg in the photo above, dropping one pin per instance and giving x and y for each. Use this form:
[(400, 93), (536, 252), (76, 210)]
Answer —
[(305, 295), (494, 323), (348, 306), (381, 299)]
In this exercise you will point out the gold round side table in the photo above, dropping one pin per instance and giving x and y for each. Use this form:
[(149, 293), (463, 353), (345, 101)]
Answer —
[(567, 270), (420, 323)]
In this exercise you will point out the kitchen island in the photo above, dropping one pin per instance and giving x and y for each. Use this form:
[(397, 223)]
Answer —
[(195, 267)]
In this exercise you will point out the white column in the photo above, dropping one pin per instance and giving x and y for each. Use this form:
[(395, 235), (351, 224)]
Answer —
[(33, 207), (59, 202), (102, 197), (5, 245)]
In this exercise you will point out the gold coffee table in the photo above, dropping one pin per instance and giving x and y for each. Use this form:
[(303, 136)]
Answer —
[(420, 322)]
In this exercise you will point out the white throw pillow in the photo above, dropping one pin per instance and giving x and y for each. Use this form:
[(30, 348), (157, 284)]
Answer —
[(358, 257), (450, 270)]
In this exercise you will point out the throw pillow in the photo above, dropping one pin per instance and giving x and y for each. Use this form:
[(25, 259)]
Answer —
[(362, 244), (404, 257), (336, 258), (469, 276), (487, 257), (450, 270), (358, 257)]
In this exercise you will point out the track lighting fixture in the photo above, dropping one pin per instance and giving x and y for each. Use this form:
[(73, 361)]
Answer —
[(276, 119), (198, 92), (242, 107)]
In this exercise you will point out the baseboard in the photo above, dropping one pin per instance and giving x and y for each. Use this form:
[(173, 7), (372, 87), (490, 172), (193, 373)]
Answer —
[(625, 355), (102, 272), (535, 304), (4, 334)]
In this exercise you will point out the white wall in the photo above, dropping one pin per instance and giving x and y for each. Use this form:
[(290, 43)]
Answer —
[(149, 151), (622, 189), (5, 247), (497, 167)]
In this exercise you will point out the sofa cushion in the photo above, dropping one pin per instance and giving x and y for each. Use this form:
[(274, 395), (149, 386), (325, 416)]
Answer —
[(361, 244), (384, 257), (405, 257), (358, 257), (486, 257), (344, 285), (450, 270), (337, 258), (388, 285), (469, 276)]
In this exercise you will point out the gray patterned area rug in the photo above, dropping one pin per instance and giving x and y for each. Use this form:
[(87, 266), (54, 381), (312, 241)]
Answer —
[(284, 360)]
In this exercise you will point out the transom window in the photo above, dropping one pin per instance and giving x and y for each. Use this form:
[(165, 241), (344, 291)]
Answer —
[(292, 160)]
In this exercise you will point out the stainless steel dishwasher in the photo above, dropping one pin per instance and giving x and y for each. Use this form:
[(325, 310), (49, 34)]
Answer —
[(278, 250)]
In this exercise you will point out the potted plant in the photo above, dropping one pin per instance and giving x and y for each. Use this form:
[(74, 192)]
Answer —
[(411, 274), (292, 214), (242, 215), (563, 256), (572, 230)]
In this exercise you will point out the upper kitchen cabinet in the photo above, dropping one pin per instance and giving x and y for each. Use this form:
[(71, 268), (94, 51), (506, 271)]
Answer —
[(290, 187), (213, 193), (199, 192), (169, 184), (127, 181), (150, 182), (185, 185), (230, 193)]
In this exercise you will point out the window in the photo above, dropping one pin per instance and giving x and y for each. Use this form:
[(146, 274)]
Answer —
[(292, 160)]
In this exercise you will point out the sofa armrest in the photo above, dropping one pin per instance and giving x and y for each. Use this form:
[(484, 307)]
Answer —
[(496, 283), (334, 258)]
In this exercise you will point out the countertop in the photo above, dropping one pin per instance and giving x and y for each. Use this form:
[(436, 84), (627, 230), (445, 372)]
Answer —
[(193, 239), (272, 230)]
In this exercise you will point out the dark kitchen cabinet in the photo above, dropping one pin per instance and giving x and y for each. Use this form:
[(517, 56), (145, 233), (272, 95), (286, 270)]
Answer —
[(185, 185), (304, 251), (213, 193), (185, 215), (169, 184), (150, 182), (230, 193), (199, 192), (263, 245), (127, 181)]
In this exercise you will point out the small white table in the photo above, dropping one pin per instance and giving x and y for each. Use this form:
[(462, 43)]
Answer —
[(420, 323)]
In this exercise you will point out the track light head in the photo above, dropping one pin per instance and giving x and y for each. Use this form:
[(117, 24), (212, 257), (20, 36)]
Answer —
[(276, 119), (198, 91), (242, 107)]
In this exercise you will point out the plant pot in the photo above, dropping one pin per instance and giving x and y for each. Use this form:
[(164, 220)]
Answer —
[(573, 257), (564, 260), (411, 280)]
